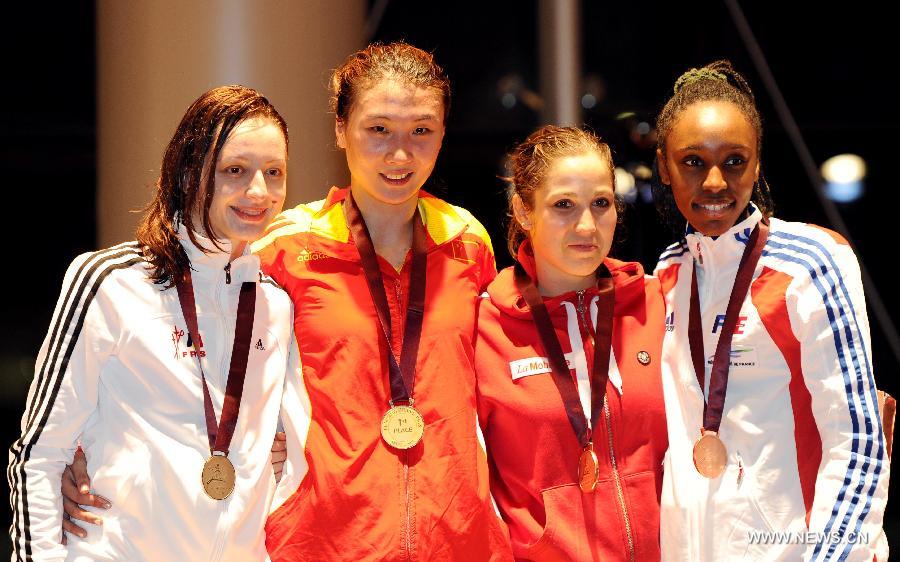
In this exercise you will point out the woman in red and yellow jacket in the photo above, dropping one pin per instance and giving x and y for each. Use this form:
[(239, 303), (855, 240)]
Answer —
[(389, 467), (567, 364)]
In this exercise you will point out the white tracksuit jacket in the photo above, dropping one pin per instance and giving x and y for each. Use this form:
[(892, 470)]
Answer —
[(806, 456), (116, 370)]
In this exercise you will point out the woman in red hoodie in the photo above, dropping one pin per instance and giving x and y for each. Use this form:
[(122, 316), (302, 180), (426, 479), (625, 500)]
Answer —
[(567, 360)]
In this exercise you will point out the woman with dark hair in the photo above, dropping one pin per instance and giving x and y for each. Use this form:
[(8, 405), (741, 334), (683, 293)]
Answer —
[(384, 278), (567, 361), (136, 363), (776, 450)]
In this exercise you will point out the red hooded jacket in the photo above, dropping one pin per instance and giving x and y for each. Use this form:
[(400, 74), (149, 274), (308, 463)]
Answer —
[(532, 449)]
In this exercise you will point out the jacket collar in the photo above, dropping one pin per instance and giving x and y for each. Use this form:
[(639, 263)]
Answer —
[(441, 220), (627, 278), (709, 250), (210, 265)]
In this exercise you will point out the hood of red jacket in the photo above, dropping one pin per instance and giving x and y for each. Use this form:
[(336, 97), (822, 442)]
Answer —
[(627, 277)]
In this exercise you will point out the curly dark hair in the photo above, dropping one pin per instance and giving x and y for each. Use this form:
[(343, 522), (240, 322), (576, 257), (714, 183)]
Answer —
[(717, 81), (187, 179)]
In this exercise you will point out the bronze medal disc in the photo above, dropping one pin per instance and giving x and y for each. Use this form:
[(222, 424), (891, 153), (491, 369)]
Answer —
[(588, 470), (218, 477), (402, 427), (710, 455)]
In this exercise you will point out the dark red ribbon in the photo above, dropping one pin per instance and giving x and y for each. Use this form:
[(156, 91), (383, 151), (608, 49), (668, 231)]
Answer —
[(565, 383), (403, 372), (220, 433), (718, 379)]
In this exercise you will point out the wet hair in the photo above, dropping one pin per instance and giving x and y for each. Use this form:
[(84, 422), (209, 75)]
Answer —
[(530, 161), (716, 82), (187, 175), (394, 61)]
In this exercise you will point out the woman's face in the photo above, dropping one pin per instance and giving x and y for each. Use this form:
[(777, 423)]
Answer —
[(250, 182), (392, 137), (711, 163), (572, 222)]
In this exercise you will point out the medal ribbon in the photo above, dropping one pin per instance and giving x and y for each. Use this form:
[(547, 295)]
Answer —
[(718, 380), (402, 372), (220, 434), (565, 383)]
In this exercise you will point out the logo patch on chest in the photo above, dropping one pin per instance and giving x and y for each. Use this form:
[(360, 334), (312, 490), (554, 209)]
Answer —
[(305, 255), (531, 366)]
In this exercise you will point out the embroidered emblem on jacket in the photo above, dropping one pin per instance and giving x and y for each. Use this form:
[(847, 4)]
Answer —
[(176, 337)]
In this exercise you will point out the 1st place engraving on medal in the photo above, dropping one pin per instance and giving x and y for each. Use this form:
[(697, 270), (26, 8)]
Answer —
[(710, 455), (218, 477), (402, 427)]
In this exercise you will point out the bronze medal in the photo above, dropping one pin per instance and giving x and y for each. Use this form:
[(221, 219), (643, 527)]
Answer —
[(218, 477), (402, 427), (710, 455), (588, 469)]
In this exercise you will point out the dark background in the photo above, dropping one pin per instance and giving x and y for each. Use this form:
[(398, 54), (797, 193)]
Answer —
[(835, 67)]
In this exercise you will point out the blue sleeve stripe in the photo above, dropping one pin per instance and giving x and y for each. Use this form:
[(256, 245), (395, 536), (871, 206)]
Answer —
[(675, 250), (813, 257)]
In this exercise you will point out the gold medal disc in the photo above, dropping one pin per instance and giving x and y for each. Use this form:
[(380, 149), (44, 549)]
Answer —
[(710, 455), (588, 469), (218, 477), (402, 427)]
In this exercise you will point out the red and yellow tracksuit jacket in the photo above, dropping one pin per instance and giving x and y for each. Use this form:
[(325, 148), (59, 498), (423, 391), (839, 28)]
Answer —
[(357, 498), (533, 451)]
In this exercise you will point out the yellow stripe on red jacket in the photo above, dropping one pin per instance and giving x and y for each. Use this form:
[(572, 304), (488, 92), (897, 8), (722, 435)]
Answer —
[(361, 499)]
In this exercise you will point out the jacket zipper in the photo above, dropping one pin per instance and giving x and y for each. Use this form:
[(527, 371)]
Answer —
[(407, 535), (223, 525), (612, 454), (580, 308), (615, 470)]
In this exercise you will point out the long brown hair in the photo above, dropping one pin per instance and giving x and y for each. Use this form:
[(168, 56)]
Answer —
[(187, 179)]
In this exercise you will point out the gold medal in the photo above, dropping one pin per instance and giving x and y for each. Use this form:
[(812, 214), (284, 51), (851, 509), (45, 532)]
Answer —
[(402, 427), (588, 469), (218, 477), (710, 455)]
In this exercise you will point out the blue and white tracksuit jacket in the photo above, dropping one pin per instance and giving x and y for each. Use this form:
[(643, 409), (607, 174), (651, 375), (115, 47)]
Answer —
[(118, 370), (807, 471)]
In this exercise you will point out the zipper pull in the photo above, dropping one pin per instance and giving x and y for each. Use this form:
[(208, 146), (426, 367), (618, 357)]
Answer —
[(580, 301), (228, 274), (740, 476)]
